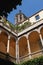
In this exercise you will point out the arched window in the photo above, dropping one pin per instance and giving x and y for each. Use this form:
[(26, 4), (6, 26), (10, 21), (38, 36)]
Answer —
[(12, 50), (23, 48), (3, 41), (35, 42)]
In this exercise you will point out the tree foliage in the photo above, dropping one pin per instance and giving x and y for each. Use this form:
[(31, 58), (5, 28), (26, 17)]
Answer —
[(7, 5), (36, 61)]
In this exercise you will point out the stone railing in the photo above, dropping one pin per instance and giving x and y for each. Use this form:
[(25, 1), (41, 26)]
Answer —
[(33, 55), (7, 57)]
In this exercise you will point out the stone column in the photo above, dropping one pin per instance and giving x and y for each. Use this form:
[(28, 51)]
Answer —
[(17, 51), (41, 39), (29, 50), (8, 44)]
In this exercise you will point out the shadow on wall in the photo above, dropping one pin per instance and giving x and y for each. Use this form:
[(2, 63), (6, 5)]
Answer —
[(6, 62)]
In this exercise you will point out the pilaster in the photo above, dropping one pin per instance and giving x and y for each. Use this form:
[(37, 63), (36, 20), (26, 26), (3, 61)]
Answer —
[(17, 51)]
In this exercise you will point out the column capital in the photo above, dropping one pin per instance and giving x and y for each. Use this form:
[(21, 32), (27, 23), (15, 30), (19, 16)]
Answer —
[(9, 37), (26, 36), (37, 30), (41, 39)]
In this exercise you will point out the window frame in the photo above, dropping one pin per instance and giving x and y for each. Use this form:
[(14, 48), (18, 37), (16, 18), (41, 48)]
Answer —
[(37, 17)]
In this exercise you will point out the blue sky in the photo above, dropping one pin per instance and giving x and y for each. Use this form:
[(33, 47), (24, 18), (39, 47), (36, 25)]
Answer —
[(28, 7)]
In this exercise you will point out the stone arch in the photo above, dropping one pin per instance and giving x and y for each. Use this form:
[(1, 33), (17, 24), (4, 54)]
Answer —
[(41, 31), (12, 49), (23, 47), (34, 40), (3, 41)]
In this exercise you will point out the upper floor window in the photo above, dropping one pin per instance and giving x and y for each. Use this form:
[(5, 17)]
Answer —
[(37, 17)]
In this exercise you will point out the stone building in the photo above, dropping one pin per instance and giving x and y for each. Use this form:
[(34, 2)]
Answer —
[(24, 40)]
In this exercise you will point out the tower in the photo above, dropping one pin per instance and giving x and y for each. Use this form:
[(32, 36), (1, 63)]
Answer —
[(20, 17)]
